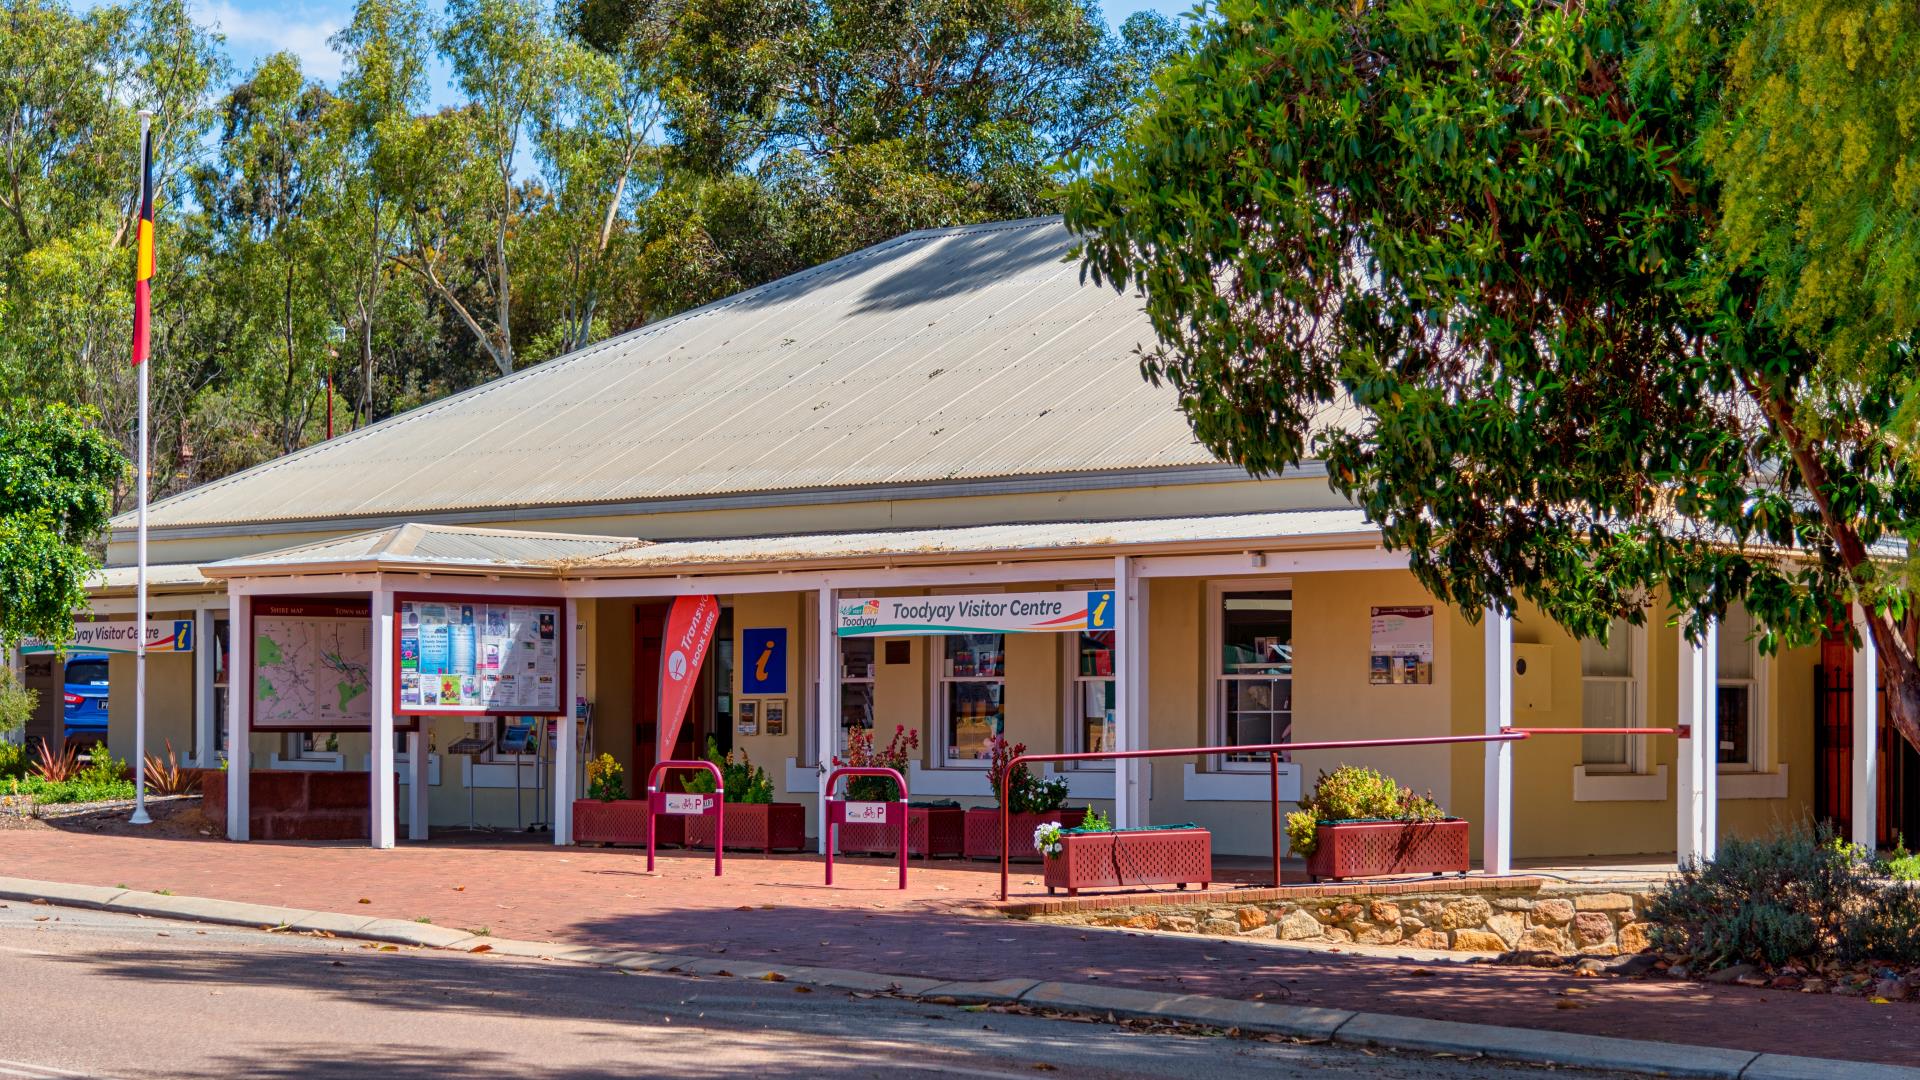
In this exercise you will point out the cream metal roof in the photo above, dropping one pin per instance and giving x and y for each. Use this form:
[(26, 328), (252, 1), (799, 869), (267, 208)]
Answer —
[(952, 354), (1041, 540), (454, 549), (425, 547), (170, 576)]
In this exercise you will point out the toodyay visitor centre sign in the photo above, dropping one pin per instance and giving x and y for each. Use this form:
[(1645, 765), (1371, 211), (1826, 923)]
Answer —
[(993, 613)]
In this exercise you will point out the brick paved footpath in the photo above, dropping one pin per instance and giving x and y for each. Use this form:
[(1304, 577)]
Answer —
[(773, 909)]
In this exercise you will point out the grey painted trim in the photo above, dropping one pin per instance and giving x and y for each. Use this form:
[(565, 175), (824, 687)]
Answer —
[(1218, 473)]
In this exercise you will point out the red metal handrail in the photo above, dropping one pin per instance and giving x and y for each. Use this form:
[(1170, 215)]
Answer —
[(657, 798), (836, 809), (1272, 750), (1597, 730)]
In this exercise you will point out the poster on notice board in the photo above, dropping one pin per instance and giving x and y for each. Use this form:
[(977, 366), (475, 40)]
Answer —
[(479, 655), (1402, 650)]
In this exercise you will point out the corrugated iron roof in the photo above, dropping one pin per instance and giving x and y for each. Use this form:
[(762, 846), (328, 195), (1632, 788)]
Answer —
[(948, 354), (414, 546), (173, 576), (1043, 538)]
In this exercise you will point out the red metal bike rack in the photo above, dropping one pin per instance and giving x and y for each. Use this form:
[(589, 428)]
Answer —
[(840, 811), (688, 804), (1273, 752)]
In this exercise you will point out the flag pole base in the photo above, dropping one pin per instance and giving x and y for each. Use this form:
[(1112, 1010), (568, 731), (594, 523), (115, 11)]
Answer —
[(140, 817)]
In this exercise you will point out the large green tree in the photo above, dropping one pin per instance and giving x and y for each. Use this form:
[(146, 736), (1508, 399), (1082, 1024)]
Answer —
[(1580, 302), (57, 478)]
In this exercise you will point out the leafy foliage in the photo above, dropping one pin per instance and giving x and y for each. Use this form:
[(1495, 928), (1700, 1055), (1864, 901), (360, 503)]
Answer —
[(745, 782), (1795, 896), (56, 766), (861, 753), (16, 705), (164, 776), (57, 477), (1030, 794), (1355, 793), (1569, 297), (604, 779)]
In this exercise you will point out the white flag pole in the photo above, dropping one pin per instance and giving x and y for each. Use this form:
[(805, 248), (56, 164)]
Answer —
[(140, 558)]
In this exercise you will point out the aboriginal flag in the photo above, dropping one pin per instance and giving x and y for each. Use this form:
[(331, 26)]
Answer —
[(143, 266)]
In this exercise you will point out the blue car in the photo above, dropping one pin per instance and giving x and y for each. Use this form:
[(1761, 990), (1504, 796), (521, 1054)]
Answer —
[(86, 698)]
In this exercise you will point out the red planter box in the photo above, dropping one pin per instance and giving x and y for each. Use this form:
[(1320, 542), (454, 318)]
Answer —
[(767, 827), (1355, 849), (931, 830), (1180, 857), (983, 831), (623, 822)]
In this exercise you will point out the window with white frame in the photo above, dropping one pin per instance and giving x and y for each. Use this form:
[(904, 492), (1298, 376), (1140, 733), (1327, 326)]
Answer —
[(1253, 676), (856, 687), (1090, 692), (220, 651), (1738, 683), (1610, 687), (971, 695)]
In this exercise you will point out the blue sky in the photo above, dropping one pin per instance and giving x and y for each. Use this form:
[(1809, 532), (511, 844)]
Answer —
[(257, 28)]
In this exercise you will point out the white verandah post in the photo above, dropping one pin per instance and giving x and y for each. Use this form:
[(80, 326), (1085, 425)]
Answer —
[(239, 705), (380, 820), (1697, 773), (1496, 855), (566, 734), (1130, 719), (827, 708), (1865, 826)]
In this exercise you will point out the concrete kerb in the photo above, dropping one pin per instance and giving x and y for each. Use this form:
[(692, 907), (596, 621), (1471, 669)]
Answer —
[(1292, 1021)]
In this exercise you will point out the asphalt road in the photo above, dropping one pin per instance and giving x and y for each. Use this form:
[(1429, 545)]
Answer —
[(108, 995)]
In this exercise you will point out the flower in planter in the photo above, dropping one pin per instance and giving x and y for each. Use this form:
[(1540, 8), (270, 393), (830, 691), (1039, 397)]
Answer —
[(861, 753), (603, 779), (1029, 794), (1355, 793), (745, 782), (1046, 839)]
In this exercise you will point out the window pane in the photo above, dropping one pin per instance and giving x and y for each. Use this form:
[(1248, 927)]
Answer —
[(856, 708), (1257, 711), (1256, 633), (974, 716), (1604, 703), (1736, 647), (856, 658), (1096, 716), (1736, 725), (1096, 653), (1614, 658), (975, 655)]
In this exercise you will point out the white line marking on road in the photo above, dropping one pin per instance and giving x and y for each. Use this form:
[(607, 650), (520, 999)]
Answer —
[(35, 1072)]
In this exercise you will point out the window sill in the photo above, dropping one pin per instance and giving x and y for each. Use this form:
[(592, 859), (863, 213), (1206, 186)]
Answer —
[(330, 763), (1250, 786), (1619, 787), (1752, 785)]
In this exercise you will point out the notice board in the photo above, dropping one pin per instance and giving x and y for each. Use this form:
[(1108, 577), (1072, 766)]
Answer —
[(479, 655)]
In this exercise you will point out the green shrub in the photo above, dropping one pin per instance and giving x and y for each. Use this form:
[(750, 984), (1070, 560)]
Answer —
[(1887, 929), (16, 702), (13, 760), (1095, 821), (103, 769), (1784, 898), (1355, 793), (604, 781), (745, 781), (77, 790)]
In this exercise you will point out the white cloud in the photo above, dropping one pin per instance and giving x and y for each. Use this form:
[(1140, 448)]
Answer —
[(253, 33)]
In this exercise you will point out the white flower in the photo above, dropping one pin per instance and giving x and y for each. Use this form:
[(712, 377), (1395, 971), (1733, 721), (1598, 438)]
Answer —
[(1046, 839)]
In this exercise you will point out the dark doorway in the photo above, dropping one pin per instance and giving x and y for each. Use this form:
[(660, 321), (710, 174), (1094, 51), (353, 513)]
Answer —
[(649, 623), (1899, 795)]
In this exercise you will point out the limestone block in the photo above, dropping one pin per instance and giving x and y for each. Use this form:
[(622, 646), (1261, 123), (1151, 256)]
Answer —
[(1466, 912), (1508, 925), (1611, 901), (1425, 939), (1298, 925), (1477, 941), (1251, 918), (1554, 912), (1544, 939), (1383, 911), (1633, 937), (1592, 928)]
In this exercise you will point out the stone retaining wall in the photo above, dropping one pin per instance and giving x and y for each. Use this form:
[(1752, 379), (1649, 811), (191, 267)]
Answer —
[(1597, 920)]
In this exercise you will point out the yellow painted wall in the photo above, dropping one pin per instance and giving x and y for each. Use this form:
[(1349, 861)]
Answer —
[(170, 708), (759, 611)]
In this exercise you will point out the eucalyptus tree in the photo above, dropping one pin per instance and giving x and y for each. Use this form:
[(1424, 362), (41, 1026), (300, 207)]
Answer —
[(1585, 303)]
